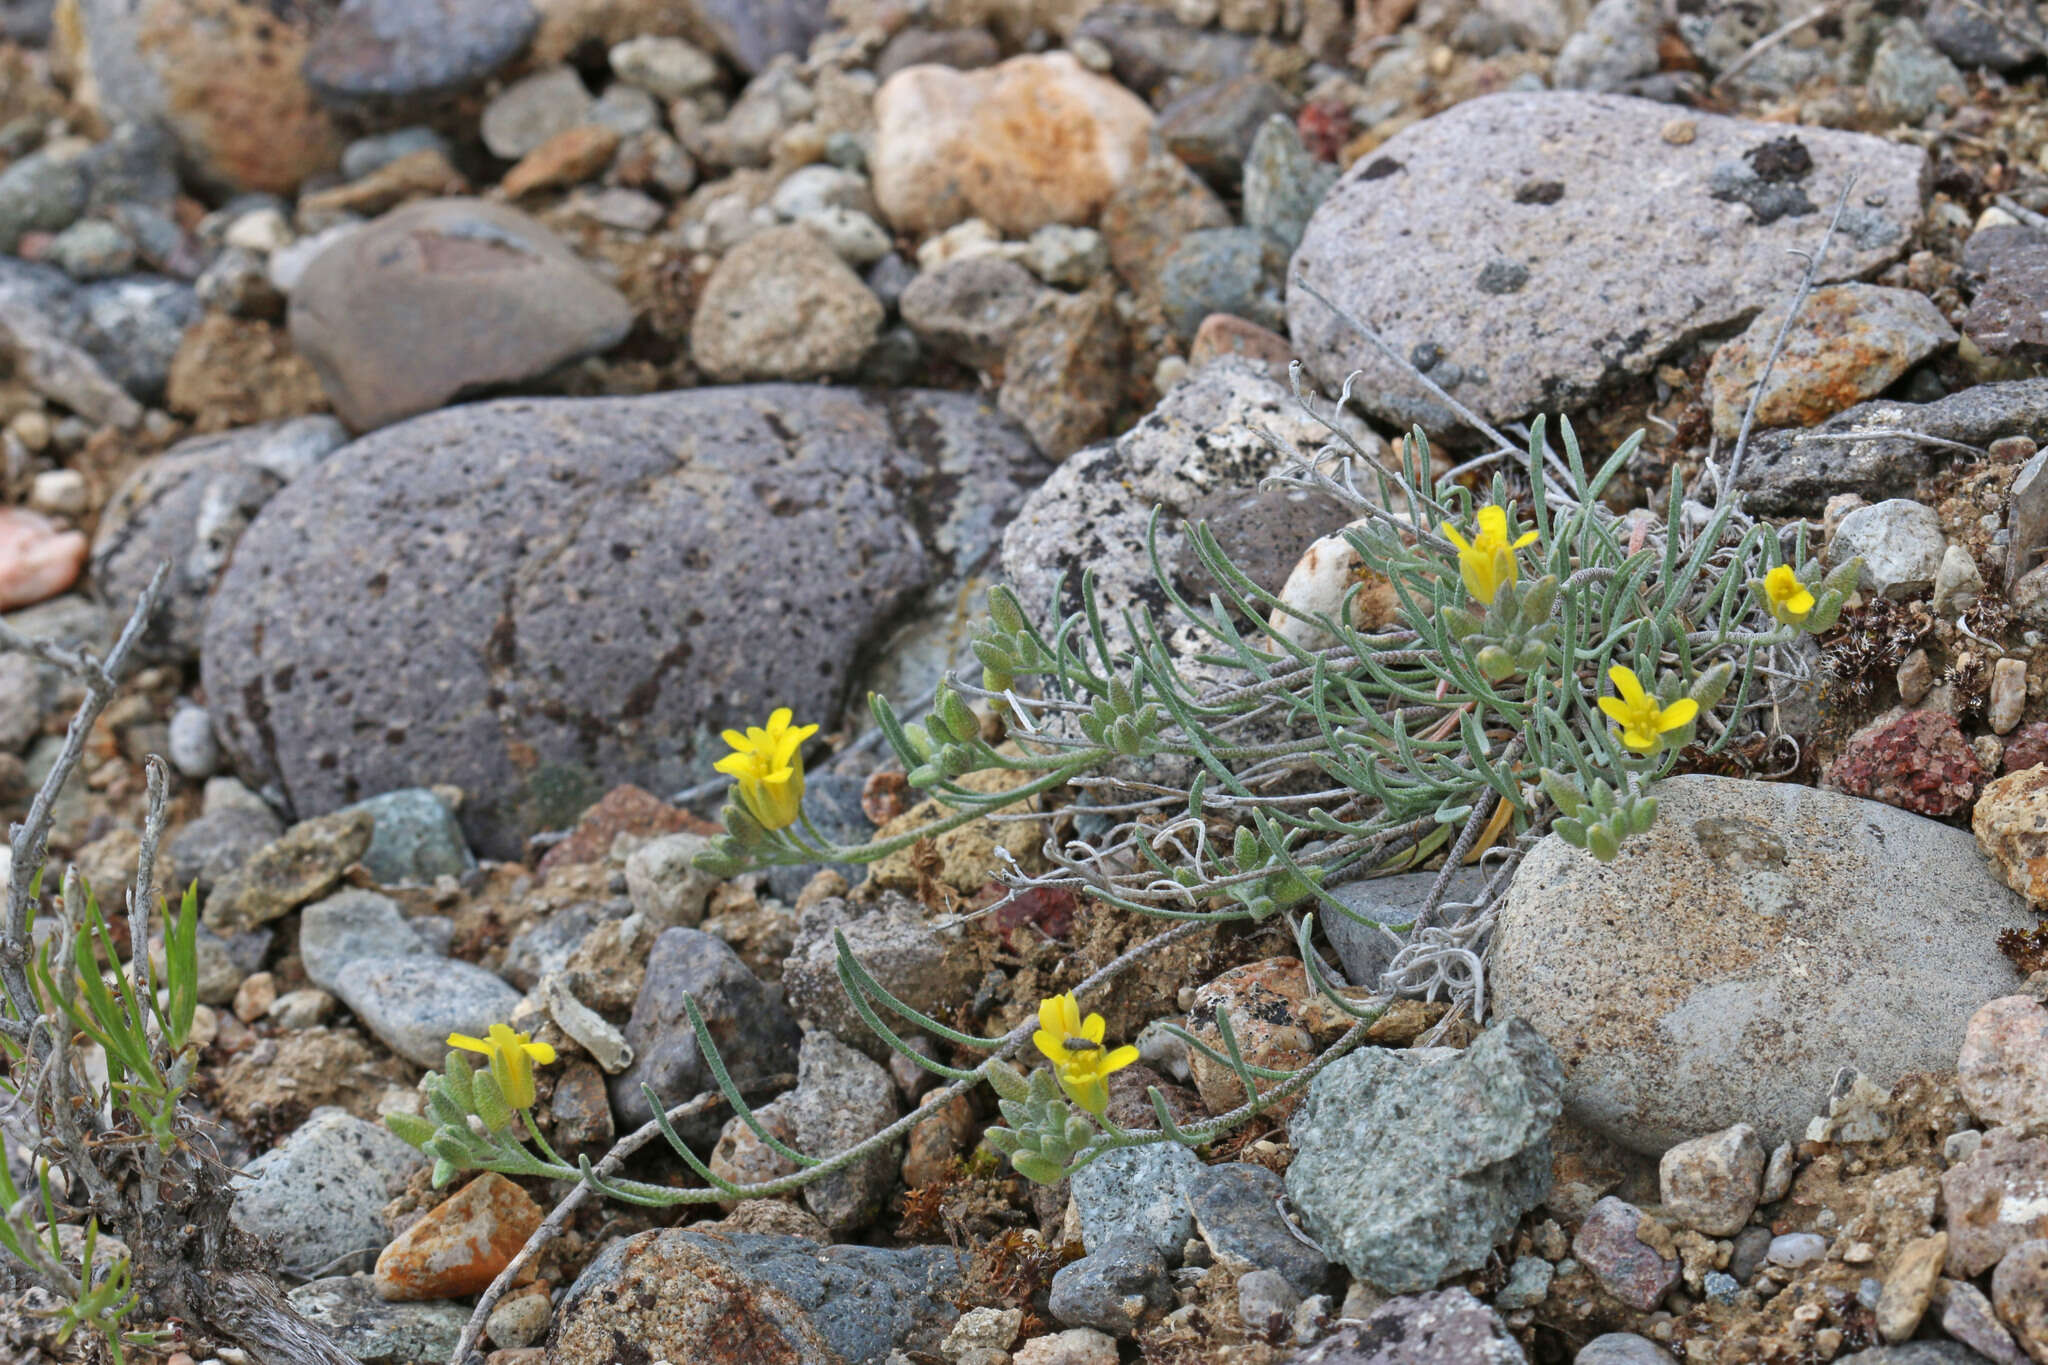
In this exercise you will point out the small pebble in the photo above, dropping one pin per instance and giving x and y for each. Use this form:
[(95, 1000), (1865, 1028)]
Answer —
[(59, 492), (1796, 1249), (2008, 694), (1679, 131), (194, 749)]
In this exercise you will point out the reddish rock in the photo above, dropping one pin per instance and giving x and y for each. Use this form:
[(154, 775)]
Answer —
[(1995, 1200), (1627, 1268), (416, 175), (38, 558), (937, 1140), (1917, 761), (1224, 334), (2027, 747), (625, 809), (2003, 1068), (459, 1246)]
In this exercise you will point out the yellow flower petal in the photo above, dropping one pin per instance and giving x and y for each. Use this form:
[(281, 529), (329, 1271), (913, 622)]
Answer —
[(1092, 1028), (1615, 708), (542, 1053), (1124, 1056), (1626, 683), (1679, 713), (1527, 538), (1051, 1044), (468, 1044)]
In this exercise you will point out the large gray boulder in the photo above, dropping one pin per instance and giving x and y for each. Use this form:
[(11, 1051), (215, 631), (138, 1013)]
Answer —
[(1758, 938), (1532, 275), (536, 600)]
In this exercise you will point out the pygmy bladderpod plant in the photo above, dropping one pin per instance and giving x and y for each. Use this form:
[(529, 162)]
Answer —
[(1546, 662)]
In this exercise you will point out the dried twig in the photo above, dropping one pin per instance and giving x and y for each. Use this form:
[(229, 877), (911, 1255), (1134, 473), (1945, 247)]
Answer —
[(1772, 39), (30, 838), (1727, 483), (551, 1227)]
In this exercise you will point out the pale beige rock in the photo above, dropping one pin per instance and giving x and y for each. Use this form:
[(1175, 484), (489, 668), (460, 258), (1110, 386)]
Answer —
[(1034, 140)]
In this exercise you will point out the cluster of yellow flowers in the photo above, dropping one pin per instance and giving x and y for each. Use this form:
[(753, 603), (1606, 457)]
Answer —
[(1487, 563)]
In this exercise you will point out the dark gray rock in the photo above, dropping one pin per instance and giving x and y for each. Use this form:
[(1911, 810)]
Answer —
[(1211, 126), (1446, 1328), (1973, 38), (755, 1034), (2006, 317), (1412, 1166), (1798, 471), (543, 949), (42, 192), (352, 1313), (1364, 951), (1237, 1211), (489, 597), (894, 941), (350, 926), (963, 49), (26, 21), (1156, 55), (319, 1195), (1607, 294), (843, 1098), (755, 32), (969, 309), (667, 1292), (443, 296), (133, 327), (832, 801), (1283, 182), (186, 508), (1222, 270), (412, 1004), (416, 840), (134, 164), (1263, 532), (1113, 1288), (376, 52)]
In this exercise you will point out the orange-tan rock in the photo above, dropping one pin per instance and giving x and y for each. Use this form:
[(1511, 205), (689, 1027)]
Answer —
[(461, 1245)]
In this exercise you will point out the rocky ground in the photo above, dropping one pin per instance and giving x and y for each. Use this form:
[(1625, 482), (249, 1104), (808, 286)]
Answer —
[(450, 354)]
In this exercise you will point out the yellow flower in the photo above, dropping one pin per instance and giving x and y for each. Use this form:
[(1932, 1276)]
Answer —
[(768, 769), (1643, 722), (512, 1057), (1074, 1046), (1791, 601), (1487, 561)]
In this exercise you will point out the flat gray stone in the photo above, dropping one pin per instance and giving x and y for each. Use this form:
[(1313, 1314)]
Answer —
[(412, 1004), (1615, 270), (441, 296), (1900, 542), (1796, 931), (1412, 1166), (319, 1195), (1446, 1328), (348, 1309), (1365, 951), (350, 926), (536, 600), (372, 52), (1798, 471)]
